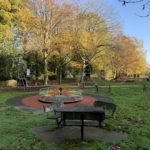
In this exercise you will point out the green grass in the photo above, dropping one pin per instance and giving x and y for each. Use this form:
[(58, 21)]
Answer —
[(16, 127), (132, 117)]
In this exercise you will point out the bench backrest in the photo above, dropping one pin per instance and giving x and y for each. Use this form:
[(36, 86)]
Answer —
[(106, 104)]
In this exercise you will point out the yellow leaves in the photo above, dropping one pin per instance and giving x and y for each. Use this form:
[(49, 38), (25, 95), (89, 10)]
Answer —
[(84, 38), (5, 17), (5, 4), (75, 65), (23, 15), (140, 66), (128, 56), (54, 54), (50, 73), (91, 35), (16, 2), (12, 13), (5, 32)]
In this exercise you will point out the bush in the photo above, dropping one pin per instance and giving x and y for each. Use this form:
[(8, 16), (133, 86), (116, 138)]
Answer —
[(8, 83)]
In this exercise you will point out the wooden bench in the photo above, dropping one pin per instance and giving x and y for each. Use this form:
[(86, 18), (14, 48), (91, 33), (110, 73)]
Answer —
[(106, 103)]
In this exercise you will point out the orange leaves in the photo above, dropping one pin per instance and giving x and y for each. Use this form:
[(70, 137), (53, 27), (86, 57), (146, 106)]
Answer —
[(128, 56), (75, 65)]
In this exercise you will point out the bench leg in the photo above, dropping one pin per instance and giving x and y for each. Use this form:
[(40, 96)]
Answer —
[(82, 127), (64, 120), (58, 121), (113, 111), (100, 123)]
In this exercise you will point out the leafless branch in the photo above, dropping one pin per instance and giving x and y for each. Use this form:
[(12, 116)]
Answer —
[(144, 4)]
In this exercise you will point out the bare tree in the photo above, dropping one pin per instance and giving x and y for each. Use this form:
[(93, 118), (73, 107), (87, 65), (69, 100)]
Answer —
[(145, 5)]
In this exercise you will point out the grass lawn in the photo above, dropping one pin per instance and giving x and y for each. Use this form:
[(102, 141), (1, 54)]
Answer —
[(132, 117)]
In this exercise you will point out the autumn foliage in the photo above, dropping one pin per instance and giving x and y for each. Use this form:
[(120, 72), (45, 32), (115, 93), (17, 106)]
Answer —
[(54, 38)]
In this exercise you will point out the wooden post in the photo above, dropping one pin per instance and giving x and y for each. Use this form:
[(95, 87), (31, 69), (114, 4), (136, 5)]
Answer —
[(144, 88), (96, 88), (109, 88)]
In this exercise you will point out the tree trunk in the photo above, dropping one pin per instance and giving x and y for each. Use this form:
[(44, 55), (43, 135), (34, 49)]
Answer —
[(83, 71), (60, 75), (45, 69), (36, 68)]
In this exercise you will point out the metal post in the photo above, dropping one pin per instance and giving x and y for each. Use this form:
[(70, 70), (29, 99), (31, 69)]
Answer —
[(82, 127), (64, 119)]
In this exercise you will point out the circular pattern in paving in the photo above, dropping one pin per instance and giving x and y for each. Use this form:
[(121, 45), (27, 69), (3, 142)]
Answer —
[(32, 101)]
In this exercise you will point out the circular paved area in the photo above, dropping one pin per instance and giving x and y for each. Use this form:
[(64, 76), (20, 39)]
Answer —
[(32, 101), (52, 134)]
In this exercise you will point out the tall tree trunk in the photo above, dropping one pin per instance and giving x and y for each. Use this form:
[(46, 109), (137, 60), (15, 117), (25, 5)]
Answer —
[(83, 71), (36, 68), (60, 75), (45, 68), (60, 67)]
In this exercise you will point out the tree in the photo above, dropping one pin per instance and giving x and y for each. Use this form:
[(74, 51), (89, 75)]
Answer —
[(11, 12), (126, 58), (49, 17), (91, 38), (9, 16), (63, 46)]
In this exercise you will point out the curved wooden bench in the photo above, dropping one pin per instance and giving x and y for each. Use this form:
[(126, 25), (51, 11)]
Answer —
[(106, 103)]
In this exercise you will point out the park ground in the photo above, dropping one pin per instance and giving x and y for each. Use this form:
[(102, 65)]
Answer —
[(132, 117)]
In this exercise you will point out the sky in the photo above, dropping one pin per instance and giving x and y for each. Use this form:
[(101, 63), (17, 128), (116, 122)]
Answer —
[(132, 24)]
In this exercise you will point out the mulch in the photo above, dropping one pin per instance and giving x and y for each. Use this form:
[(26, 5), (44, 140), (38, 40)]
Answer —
[(32, 101)]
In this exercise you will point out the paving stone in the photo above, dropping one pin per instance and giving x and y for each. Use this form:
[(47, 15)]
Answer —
[(54, 135)]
